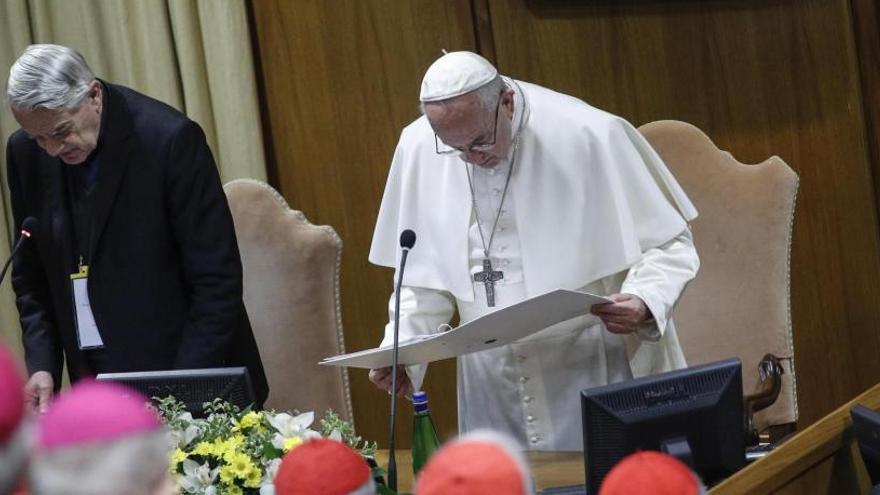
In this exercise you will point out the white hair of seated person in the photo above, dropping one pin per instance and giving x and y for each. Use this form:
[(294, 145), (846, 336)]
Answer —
[(14, 456), (53, 77), (136, 465)]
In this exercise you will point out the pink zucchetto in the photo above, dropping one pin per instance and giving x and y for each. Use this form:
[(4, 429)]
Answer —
[(92, 412), (11, 395)]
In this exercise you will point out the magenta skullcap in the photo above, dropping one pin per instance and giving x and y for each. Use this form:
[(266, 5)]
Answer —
[(11, 394), (92, 412)]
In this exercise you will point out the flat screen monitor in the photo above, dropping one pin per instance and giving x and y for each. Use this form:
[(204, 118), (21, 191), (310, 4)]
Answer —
[(695, 414), (866, 426), (192, 387)]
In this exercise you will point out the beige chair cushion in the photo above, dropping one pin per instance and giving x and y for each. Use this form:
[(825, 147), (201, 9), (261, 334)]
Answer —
[(738, 305), (291, 291)]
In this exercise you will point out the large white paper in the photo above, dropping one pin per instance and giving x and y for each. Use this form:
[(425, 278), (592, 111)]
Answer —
[(486, 332)]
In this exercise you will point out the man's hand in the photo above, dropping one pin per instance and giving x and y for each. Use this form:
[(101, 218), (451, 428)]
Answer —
[(624, 315), (38, 391), (382, 378)]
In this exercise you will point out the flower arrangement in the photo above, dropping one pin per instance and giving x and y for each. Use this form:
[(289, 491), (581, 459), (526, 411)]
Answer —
[(237, 452)]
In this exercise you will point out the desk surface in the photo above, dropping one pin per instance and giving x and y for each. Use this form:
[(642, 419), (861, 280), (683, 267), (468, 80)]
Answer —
[(550, 469)]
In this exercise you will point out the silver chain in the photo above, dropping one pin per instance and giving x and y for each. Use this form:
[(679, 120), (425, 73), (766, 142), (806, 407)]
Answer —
[(486, 248)]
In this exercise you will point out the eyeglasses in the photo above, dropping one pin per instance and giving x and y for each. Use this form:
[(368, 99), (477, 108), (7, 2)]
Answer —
[(442, 148)]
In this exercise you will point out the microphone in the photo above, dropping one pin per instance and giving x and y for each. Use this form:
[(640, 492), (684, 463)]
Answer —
[(407, 241), (28, 227)]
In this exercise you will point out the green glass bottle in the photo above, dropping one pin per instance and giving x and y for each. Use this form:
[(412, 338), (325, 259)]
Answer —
[(425, 441)]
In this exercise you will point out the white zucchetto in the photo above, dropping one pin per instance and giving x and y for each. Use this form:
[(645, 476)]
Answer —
[(455, 74)]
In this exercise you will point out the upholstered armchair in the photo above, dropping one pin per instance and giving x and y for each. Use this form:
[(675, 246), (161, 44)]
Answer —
[(291, 291), (738, 305)]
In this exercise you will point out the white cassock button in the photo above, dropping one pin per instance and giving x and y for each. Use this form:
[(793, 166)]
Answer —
[(527, 399), (523, 379), (535, 439), (530, 419)]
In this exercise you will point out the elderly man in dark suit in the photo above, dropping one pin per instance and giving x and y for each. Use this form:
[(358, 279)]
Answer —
[(135, 264)]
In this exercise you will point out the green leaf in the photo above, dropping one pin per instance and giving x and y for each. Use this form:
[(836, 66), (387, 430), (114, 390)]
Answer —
[(270, 452)]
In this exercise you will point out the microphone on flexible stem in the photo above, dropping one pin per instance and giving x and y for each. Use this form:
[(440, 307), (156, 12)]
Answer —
[(28, 227), (407, 241)]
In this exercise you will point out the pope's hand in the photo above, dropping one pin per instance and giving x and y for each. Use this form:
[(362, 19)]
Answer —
[(382, 378), (624, 315), (38, 391)]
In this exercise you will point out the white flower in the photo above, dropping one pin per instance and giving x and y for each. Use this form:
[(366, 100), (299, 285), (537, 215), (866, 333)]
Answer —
[(198, 477), (181, 438), (278, 441), (292, 426), (272, 469), (267, 485)]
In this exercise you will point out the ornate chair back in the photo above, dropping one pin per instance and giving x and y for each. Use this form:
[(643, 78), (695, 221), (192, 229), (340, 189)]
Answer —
[(291, 291), (739, 304)]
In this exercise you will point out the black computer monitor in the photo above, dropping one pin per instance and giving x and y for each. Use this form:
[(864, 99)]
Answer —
[(695, 414), (192, 387), (866, 426)]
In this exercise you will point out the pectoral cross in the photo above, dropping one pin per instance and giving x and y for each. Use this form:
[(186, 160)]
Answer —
[(488, 278)]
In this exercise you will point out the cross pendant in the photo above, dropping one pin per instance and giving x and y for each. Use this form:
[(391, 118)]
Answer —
[(488, 278)]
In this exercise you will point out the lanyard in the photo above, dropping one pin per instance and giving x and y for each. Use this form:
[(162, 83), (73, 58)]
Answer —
[(81, 204)]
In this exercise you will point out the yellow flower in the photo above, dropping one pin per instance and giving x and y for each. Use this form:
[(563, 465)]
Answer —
[(205, 449), (291, 443), (234, 490), (232, 443), (236, 440), (250, 420), (227, 477), (239, 464), (253, 478), (229, 448), (176, 458)]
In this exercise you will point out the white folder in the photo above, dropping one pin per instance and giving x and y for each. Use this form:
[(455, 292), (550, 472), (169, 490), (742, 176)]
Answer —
[(486, 332)]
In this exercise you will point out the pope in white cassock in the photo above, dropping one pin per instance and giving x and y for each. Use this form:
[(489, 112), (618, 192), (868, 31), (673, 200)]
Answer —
[(515, 190)]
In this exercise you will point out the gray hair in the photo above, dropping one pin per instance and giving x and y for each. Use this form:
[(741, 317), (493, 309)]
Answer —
[(53, 77), (490, 92), (131, 466), (488, 95)]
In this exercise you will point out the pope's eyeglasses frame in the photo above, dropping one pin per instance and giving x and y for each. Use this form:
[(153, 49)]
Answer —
[(473, 148)]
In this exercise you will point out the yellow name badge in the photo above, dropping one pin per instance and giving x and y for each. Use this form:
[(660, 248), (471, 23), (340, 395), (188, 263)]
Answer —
[(87, 333)]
